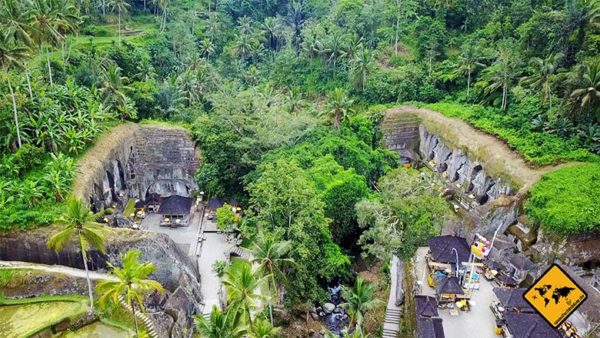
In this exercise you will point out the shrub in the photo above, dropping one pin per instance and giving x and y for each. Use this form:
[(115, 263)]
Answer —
[(565, 201)]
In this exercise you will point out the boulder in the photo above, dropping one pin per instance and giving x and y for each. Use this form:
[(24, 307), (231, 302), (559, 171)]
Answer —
[(328, 307)]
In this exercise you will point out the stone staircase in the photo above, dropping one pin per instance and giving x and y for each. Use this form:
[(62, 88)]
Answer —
[(142, 317), (393, 313), (241, 252), (391, 324)]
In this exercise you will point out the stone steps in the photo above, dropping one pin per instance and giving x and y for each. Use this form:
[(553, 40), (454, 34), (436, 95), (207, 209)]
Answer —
[(142, 317)]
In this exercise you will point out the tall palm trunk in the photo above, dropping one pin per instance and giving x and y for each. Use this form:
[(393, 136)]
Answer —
[(397, 27), (132, 304), (119, 26), (14, 103), (87, 277), (49, 68), (28, 82), (468, 80)]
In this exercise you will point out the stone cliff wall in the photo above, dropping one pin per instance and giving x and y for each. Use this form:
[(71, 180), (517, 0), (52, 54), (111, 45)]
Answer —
[(489, 202), (174, 269), (135, 160)]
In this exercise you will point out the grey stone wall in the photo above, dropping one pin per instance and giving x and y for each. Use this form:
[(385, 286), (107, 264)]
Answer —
[(154, 159)]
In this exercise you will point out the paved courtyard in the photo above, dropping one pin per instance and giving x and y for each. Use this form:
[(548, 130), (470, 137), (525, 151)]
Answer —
[(477, 323), (207, 252)]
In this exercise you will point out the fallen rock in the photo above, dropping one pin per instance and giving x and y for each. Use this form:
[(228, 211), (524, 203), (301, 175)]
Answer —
[(328, 308)]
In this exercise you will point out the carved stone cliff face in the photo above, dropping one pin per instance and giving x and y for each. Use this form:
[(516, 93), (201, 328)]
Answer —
[(146, 159)]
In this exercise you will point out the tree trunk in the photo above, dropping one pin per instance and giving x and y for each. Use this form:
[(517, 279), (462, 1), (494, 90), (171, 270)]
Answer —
[(14, 103), (132, 304), (49, 68), (89, 282), (468, 81), (397, 27), (119, 26), (28, 82)]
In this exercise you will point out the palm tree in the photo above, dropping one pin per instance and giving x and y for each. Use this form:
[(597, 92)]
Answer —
[(10, 57), (588, 92), (131, 282), (335, 49), (114, 88), (45, 23), (241, 284), (273, 32), (359, 300), (263, 329), (79, 222), (296, 17), (468, 62), (219, 325), (361, 67), (544, 70), (15, 22), (206, 48), (503, 72), (339, 106), (272, 256), (122, 8)]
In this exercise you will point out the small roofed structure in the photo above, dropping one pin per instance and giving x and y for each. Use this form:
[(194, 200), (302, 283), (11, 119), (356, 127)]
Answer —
[(139, 204), (506, 281), (430, 328), (527, 325), (441, 248), (175, 210), (448, 289), (152, 202), (215, 203), (520, 265), (426, 306), (508, 299)]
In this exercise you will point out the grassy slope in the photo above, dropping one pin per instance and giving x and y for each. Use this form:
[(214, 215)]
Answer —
[(498, 159), (538, 148)]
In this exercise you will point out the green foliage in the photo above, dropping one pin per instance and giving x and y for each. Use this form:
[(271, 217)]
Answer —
[(565, 201), (340, 190), (403, 216), (283, 199), (537, 147), (227, 219), (219, 267)]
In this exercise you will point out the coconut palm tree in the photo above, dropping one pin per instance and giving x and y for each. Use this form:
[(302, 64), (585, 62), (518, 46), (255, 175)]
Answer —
[(114, 88), (242, 284), (272, 256), (543, 72), (359, 300), (206, 48), (503, 72), (80, 223), (588, 92), (132, 283), (263, 329), (122, 8), (339, 106), (361, 67), (45, 22), (468, 62), (14, 21), (11, 55), (219, 325)]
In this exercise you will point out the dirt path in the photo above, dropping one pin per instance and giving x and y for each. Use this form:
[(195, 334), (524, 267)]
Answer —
[(59, 269), (499, 159)]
